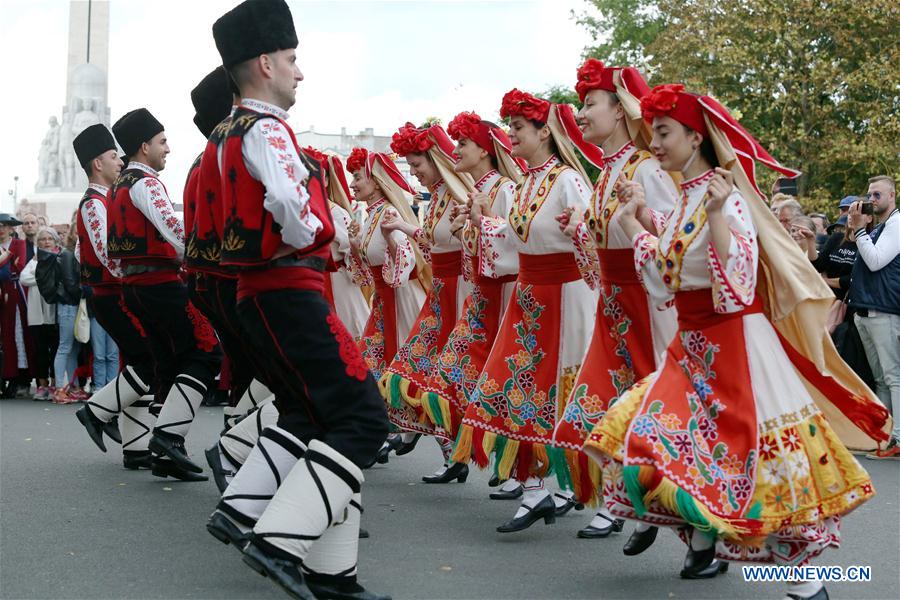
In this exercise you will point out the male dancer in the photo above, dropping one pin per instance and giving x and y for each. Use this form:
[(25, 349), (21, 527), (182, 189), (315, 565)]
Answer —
[(148, 237), (97, 154), (331, 417)]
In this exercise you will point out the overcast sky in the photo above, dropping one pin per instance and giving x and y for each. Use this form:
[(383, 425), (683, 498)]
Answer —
[(366, 64)]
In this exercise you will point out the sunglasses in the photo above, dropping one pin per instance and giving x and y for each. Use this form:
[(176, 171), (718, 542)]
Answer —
[(873, 196)]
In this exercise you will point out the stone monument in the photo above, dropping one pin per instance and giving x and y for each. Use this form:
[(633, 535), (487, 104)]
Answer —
[(61, 180)]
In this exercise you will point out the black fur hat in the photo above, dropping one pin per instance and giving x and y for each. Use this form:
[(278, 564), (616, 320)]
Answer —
[(212, 100), (92, 142), (252, 28), (135, 128)]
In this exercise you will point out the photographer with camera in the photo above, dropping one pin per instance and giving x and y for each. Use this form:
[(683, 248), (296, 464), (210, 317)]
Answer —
[(875, 293)]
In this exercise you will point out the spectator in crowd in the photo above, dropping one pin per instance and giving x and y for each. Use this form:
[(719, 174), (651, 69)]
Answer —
[(845, 204), (821, 223), (15, 338), (42, 317), (838, 226), (875, 293), (29, 232), (786, 210), (59, 279)]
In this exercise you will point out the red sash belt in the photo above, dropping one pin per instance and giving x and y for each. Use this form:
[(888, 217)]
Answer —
[(617, 266), (696, 311), (548, 269), (446, 264)]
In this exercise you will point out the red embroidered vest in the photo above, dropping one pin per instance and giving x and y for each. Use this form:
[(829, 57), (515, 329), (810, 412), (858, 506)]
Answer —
[(251, 236), (93, 273), (189, 200), (204, 242), (131, 236)]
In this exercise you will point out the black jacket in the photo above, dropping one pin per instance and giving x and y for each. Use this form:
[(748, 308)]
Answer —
[(58, 277)]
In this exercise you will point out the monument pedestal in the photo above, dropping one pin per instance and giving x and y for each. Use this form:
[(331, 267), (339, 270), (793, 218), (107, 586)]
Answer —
[(56, 206)]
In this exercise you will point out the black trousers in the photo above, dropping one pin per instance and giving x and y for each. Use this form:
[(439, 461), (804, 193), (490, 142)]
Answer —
[(322, 387), (123, 327), (180, 339), (46, 341), (216, 298)]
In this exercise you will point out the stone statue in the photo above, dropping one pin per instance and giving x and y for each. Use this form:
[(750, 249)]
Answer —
[(67, 159), (85, 117), (48, 157)]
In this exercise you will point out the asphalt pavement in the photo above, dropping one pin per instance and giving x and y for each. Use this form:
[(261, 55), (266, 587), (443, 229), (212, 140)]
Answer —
[(74, 524)]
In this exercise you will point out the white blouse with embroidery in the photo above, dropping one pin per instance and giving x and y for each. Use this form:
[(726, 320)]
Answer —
[(684, 258), (93, 215), (149, 196), (661, 196)]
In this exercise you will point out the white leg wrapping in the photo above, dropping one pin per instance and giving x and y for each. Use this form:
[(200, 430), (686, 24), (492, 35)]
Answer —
[(336, 552), (314, 496), (235, 417), (250, 491), (180, 406), (253, 397), (236, 443), (135, 425), (117, 395)]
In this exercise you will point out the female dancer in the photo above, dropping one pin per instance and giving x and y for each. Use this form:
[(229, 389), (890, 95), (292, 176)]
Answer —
[(346, 272), (483, 151), (395, 268), (406, 380), (629, 336), (742, 453), (546, 328)]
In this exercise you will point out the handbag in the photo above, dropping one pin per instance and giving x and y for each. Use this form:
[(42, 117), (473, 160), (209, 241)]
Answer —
[(836, 314), (82, 323)]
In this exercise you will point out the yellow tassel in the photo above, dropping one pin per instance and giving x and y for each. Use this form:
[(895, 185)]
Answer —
[(510, 451), (463, 450), (488, 442), (666, 495)]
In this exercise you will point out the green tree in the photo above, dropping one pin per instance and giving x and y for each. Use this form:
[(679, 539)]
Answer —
[(815, 81)]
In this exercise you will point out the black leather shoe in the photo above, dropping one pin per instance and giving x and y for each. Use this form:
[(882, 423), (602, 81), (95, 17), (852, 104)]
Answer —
[(640, 541), (283, 572), (715, 567), (510, 495), (494, 481), (569, 505), (225, 531), (138, 459), (697, 561), (214, 460), (352, 591), (545, 509), (363, 534), (93, 425), (392, 443), (590, 532), (456, 471), (822, 594), (112, 430), (174, 449), (163, 467), (407, 447)]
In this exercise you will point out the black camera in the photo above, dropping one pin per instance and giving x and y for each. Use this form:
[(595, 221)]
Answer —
[(867, 208)]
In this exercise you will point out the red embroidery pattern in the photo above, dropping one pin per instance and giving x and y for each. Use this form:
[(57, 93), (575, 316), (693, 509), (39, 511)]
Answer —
[(132, 317), (203, 331), (355, 366)]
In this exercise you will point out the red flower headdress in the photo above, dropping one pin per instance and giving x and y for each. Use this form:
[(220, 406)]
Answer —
[(593, 75), (670, 100), (469, 125), (517, 102), (411, 140), (358, 159), (316, 155)]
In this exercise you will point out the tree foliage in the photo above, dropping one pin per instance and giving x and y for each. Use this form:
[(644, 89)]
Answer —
[(817, 82)]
